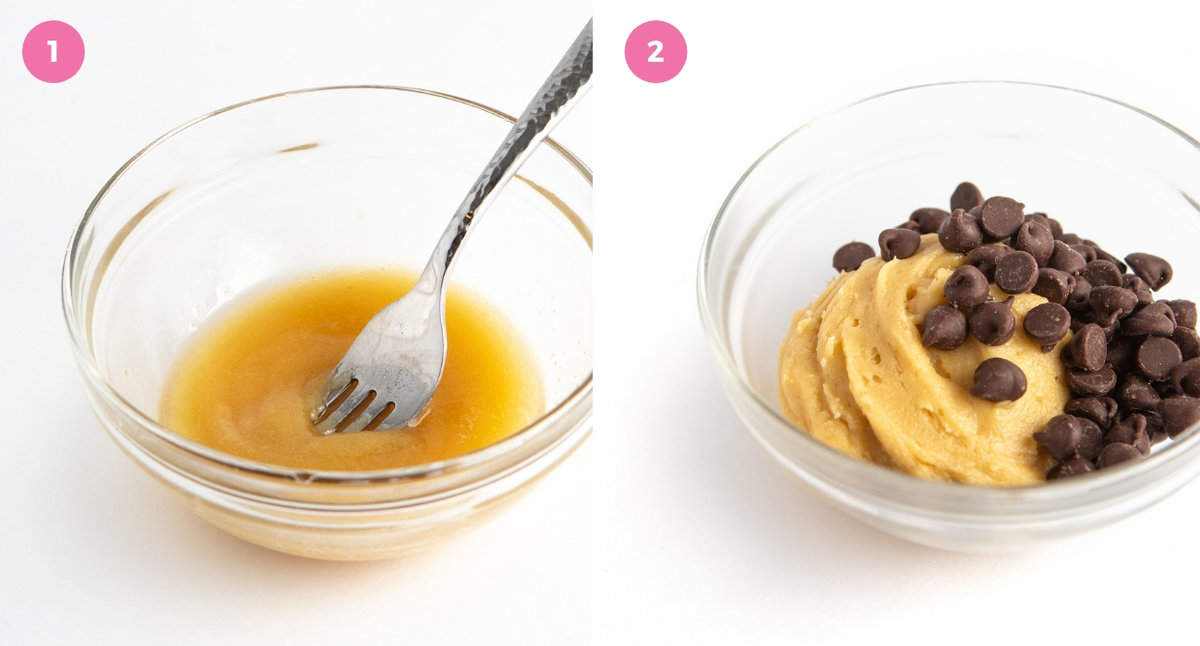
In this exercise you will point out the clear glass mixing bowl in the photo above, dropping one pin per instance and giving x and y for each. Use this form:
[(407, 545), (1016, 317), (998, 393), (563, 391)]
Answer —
[(1107, 170), (297, 183)]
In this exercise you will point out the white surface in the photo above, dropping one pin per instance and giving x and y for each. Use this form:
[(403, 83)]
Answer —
[(699, 536), (94, 551)]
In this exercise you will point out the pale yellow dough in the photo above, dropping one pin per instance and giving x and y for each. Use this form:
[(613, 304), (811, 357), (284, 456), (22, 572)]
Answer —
[(854, 373)]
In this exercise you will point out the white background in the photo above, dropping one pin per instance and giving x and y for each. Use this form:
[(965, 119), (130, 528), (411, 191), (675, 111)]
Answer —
[(698, 532), (671, 525), (92, 550)]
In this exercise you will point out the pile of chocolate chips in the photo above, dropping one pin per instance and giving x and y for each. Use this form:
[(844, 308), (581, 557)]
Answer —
[(1133, 365)]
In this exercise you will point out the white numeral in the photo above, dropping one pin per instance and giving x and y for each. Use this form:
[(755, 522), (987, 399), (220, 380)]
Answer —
[(53, 50), (654, 56)]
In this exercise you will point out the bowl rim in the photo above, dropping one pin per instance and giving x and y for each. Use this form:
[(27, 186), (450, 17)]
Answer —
[(1108, 480), (577, 401)]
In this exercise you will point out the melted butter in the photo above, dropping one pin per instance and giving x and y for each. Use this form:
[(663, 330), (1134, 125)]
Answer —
[(247, 382)]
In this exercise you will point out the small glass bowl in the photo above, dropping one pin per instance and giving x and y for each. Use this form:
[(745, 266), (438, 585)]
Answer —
[(299, 183), (1111, 172)]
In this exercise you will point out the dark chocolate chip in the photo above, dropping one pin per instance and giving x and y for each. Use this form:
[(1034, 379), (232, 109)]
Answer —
[(1099, 382), (1133, 431), (1072, 467), (1188, 341), (1116, 453), (992, 323), (966, 196), (1138, 287), (1070, 239), (966, 287), (1061, 436), (1157, 357), (997, 380), (852, 254), (1155, 319), (909, 226), (1152, 269), (1101, 272), (1091, 439), (1081, 295), (1047, 323), (945, 328), (1185, 378), (1066, 259), (1122, 353), (984, 259), (959, 233), (1000, 217), (1100, 410), (898, 243), (929, 219), (1016, 272), (1101, 254), (1035, 239), (1185, 312), (1089, 349), (1054, 285), (1179, 413), (1111, 303), (1135, 393)]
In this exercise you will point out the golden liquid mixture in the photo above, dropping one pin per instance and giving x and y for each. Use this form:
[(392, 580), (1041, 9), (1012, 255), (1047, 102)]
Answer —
[(248, 381)]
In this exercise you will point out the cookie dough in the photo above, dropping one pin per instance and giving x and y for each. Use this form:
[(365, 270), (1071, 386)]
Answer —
[(854, 373)]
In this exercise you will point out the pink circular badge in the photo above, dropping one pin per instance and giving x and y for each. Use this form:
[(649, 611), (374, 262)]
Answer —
[(655, 51), (53, 51)]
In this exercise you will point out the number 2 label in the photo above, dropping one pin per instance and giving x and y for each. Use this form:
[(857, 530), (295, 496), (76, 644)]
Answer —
[(657, 46)]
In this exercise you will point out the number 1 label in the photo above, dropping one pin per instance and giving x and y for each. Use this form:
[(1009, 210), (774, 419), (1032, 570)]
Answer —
[(53, 45), (52, 51)]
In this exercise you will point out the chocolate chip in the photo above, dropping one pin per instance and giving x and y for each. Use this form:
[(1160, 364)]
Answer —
[(1087, 251), (1066, 259), (1000, 217), (992, 323), (1061, 436), (1016, 272), (1069, 239), (849, 256), (1091, 439), (1136, 393), (966, 287), (1072, 467), (966, 196), (1035, 239), (945, 328), (929, 219), (1047, 323), (1116, 453), (997, 380), (1089, 349), (909, 226), (898, 243), (1100, 410), (959, 233), (1101, 272), (984, 259), (1155, 428), (1122, 353), (1132, 431), (1099, 382), (1179, 413), (1054, 285), (1138, 287), (1152, 269), (1155, 319), (1157, 357), (1081, 295), (1101, 254), (1188, 341), (1111, 303), (1185, 378), (1185, 312)]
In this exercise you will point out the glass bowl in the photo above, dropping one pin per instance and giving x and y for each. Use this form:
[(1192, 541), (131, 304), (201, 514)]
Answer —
[(300, 182), (1109, 171)]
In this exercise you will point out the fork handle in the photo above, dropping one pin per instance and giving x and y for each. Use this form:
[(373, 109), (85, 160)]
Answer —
[(568, 82)]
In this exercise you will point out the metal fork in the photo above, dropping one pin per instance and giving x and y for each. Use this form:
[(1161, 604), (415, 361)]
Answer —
[(389, 374)]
